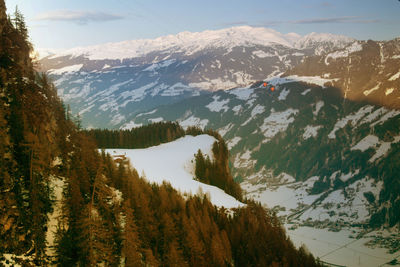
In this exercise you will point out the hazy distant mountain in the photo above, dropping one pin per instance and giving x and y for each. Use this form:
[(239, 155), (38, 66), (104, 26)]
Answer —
[(119, 80)]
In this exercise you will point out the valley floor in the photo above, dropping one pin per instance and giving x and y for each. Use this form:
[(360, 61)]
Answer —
[(324, 223), (339, 248)]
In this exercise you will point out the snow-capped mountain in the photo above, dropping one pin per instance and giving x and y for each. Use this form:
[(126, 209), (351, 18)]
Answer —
[(327, 137), (323, 42), (187, 42), (119, 80)]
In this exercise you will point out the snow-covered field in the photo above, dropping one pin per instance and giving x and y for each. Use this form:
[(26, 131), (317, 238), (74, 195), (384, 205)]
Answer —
[(174, 162)]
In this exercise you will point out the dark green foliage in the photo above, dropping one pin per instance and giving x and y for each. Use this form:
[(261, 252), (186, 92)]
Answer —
[(216, 172), (369, 196), (141, 137)]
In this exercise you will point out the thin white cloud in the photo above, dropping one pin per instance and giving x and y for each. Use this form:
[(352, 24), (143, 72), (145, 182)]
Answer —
[(79, 17)]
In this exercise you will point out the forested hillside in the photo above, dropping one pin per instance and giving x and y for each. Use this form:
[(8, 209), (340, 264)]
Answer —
[(106, 214), (214, 171)]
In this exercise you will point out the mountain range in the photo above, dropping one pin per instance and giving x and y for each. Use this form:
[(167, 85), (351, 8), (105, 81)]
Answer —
[(120, 80), (327, 134)]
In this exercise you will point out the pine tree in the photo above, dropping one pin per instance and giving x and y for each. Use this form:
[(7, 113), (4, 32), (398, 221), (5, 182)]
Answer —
[(131, 242)]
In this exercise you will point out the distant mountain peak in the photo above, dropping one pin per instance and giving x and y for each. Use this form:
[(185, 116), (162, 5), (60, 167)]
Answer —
[(312, 39), (192, 42)]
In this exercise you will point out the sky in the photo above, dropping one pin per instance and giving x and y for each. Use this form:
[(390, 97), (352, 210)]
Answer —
[(65, 24)]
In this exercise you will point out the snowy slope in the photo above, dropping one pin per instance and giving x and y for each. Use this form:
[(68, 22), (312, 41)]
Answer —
[(191, 42), (173, 162)]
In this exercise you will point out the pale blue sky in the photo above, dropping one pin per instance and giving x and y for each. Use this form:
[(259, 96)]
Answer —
[(71, 23)]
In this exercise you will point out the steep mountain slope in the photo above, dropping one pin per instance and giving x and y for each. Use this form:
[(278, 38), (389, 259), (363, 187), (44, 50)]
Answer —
[(364, 71), (119, 80), (273, 137)]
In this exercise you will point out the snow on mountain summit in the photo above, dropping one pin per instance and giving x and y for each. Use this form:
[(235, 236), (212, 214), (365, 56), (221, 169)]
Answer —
[(191, 42), (312, 39), (184, 41)]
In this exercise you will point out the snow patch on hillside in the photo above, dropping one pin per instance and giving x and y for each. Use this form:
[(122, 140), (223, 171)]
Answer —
[(214, 84), (284, 93), (395, 76), (388, 115), (262, 54), (257, 110), (217, 106), (176, 89), (370, 141), (66, 70), (244, 160), (154, 120), (389, 91), (376, 87), (147, 113), (311, 131), (383, 148), (374, 115), (354, 118), (347, 176), (224, 130), (306, 91), (193, 121), (237, 109), (295, 78), (242, 93), (136, 94), (277, 122), (318, 107), (57, 185), (233, 142), (354, 47), (130, 125), (156, 66), (174, 164), (116, 119), (113, 88)]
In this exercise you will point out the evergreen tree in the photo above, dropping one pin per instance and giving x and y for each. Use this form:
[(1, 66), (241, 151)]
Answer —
[(131, 242)]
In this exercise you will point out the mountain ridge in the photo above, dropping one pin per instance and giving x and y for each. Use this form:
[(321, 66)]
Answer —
[(195, 41), (121, 88)]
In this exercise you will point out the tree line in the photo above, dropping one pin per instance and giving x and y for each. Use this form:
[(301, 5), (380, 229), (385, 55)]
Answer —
[(140, 137)]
